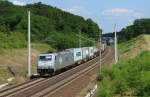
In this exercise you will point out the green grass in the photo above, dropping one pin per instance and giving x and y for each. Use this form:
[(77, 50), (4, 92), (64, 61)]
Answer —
[(16, 58), (130, 77), (125, 46), (132, 48), (42, 47)]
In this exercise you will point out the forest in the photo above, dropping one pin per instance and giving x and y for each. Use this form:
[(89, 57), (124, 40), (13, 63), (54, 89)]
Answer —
[(140, 26), (49, 25)]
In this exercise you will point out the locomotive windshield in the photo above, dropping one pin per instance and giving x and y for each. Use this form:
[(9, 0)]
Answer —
[(45, 58)]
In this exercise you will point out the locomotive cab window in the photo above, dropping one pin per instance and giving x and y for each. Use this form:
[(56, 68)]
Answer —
[(45, 58), (78, 54)]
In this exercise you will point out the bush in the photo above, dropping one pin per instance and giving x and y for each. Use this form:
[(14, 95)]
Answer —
[(129, 77), (12, 40), (49, 25)]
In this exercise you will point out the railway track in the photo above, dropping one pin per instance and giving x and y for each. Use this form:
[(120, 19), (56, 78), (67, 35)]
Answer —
[(57, 87), (18, 87), (57, 92), (46, 87)]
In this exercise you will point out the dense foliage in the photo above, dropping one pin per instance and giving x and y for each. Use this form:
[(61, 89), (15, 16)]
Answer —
[(128, 78), (13, 40), (140, 26), (49, 25)]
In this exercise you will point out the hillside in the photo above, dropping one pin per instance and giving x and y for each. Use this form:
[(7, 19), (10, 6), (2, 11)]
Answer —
[(134, 47), (130, 77), (140, 26), (51, 29), (13, 62), (49, 25)]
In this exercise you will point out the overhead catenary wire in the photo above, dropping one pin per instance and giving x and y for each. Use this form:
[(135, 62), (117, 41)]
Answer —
[(93, 41)]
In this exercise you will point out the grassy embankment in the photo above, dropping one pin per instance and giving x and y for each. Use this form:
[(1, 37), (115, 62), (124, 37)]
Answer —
[(13, 53), (134, 47), (13, 62), (129, 77), (50, 28)]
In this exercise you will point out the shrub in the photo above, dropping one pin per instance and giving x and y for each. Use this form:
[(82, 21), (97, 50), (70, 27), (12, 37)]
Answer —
[(12, 40), (128, 77)]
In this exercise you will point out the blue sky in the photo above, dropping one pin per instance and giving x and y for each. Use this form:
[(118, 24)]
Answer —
[(104, 12)]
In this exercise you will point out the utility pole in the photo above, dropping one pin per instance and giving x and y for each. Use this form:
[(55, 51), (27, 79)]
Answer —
[(79, 39), (29, 45), (100, 59), (80, 42), (116, 56)]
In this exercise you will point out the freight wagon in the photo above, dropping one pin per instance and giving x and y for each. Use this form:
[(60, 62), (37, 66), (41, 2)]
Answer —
[(49, 63)]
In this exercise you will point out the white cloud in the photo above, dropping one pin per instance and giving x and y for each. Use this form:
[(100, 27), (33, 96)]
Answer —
[(77, 10), (115, 11), (17, 2), (121, 12)]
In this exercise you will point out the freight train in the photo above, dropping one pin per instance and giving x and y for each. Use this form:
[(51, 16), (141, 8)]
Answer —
[(49, 63)]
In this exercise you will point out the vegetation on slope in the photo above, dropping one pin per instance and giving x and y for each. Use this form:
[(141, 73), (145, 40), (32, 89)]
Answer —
[(140, 26), (48, 25), (127, 78), (13, 62), (131, 76), (51, 29), (132, 48), (4, 74)]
